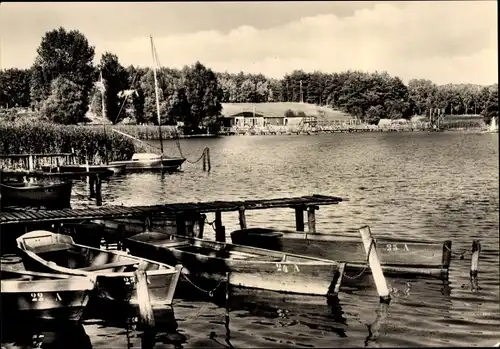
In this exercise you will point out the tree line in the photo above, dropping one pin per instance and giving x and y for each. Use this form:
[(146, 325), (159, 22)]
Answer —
[(61, 85)]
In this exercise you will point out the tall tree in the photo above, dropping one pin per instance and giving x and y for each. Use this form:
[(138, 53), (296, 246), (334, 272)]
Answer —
[(138, 98), (115, 81), (491, 108), (204, 96), (65, 54)]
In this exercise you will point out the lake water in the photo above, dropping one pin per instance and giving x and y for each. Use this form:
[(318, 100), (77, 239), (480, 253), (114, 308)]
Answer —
[(431, 186)]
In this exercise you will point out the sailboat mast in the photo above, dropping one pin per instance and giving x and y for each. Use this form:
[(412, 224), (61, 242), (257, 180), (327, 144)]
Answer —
[(104, 121), (156, 93)]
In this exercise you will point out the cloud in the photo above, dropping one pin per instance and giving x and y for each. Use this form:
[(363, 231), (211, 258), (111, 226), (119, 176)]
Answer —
[(443, 41)]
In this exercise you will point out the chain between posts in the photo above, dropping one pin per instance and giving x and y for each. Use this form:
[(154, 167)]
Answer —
[(211, 292)]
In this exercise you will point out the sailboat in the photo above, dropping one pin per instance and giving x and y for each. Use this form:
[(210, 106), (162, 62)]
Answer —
[(151, 161), (493, 126), (106, 169)]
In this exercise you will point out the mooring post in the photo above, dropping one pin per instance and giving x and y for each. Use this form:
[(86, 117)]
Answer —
[(91, 182), (98, 194), (146, 314), (87, 168), (378, 275), (446, 260), (201, 225), (242, 218), (474, 263), (311, 219), (180, 222), (147, 224), (299, 218), (120, 232), (220, 232), (228, 290)]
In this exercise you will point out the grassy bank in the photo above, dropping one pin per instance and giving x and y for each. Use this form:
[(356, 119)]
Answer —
[(26, 137)]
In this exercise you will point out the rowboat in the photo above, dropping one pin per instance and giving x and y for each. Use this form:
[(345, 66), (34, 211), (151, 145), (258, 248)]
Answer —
[(150, 162), (248, 267), (397, 256), (44, 295), (52, 195), (58, 253)]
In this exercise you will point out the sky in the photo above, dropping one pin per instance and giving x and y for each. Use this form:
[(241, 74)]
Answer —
[(444, 41)]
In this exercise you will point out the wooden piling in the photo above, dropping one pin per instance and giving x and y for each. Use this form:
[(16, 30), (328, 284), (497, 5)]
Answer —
[(446, 254), (209, 165), (146, 314), (91, 182), (474, 263), (311, 219), (147, 224), (201, 225), (220, 231), (228, 290), (242, 218), (120, 232), (378, 275), (299, 218), (98, 194), (180, 222)]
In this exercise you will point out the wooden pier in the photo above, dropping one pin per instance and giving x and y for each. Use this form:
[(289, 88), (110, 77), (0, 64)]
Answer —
[(300, 204)]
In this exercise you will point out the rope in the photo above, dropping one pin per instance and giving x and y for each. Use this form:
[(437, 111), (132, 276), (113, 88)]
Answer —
[(373, 244), (211, 292)]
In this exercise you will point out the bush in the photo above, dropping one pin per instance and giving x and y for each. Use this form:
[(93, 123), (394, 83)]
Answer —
[(289, 113), (44, 138)]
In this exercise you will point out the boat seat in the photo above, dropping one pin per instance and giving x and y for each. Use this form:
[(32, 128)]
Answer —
[(117, 264), (51, 248)]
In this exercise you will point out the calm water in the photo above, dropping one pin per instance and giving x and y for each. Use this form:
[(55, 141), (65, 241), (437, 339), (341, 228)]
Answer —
[(420, 185)]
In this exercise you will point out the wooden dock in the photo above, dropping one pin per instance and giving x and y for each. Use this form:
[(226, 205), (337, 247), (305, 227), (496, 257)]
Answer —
[(113, 212)]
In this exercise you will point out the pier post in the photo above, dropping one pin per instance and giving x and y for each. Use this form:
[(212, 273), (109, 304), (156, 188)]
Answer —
[(311, 219), (98, 194), (201, 225), (220, 231), (91, 182), (180, 222), (446, 254), (242, 218), (377, 273), (474, 263), (299, 218)]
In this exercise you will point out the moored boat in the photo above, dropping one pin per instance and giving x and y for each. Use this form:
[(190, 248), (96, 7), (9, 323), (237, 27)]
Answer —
[(48, 296), (150, 162), (58, 253), (247, 267), (397, 256), (52, 195)]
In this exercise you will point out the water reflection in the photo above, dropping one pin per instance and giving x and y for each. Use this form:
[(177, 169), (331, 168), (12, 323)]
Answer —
[(374, 328), (29, 333)]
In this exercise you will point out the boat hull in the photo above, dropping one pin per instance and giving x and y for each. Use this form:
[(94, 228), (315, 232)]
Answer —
[(114, 283), (268, 271), (396, 256), (157, 164), (46, 298), (57, 195)]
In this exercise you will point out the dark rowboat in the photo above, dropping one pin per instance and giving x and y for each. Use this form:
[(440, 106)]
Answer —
[(150, 162), (248, 267), (397, 256), (57, 253), (53, 195), (44, 295)]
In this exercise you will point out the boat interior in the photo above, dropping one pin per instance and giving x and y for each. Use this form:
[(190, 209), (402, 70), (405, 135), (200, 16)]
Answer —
[(61, 250), (216, 249)]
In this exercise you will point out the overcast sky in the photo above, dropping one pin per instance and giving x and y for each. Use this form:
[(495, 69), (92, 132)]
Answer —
[(444, 41)]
